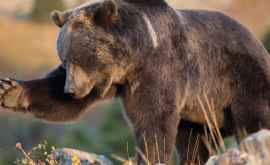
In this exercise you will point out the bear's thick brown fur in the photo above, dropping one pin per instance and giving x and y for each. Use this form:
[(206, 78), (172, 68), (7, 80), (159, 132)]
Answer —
[(167, 65)]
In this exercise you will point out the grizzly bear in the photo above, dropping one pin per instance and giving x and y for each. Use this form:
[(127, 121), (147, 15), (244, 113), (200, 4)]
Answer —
[(167, 65)]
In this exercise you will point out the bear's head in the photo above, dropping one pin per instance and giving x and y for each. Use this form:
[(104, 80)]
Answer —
[(97, 45)]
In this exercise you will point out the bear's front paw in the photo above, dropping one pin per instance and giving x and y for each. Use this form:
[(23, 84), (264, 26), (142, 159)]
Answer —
[(11, 94)]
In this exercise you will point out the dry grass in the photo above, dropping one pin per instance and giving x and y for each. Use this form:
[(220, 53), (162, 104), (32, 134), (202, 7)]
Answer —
[(214, 141), (254, 150)]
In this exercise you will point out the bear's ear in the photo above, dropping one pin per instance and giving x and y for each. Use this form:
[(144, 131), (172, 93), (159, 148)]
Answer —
[(58, 18), (107, 14)]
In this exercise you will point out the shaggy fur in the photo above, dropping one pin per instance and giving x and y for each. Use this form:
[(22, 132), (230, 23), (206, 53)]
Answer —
[(163, 63)]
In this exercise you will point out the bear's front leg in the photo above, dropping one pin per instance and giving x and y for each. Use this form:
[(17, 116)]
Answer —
[(154, 117), (45, 97), (155, 137)]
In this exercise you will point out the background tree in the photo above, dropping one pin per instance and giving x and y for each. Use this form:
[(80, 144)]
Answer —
[(42, 9)]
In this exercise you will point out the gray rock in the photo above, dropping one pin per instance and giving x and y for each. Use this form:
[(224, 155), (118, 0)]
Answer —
[(68, 156), (254, 150)]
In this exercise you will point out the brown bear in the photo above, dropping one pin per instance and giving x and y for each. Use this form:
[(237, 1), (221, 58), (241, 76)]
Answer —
[(165, 64)]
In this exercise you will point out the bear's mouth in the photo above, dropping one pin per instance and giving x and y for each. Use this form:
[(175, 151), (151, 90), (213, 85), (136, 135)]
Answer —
[(80, 83), (100, 88), (95, 93), (80, 93), (105, 87)]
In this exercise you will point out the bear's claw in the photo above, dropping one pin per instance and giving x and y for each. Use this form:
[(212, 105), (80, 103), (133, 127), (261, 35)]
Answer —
[(10, 93)]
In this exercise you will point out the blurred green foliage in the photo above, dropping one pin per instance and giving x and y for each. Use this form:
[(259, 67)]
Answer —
[(42, 9), (112, 136)]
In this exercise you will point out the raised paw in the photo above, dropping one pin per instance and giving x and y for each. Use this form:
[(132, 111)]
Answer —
[(11, 94)]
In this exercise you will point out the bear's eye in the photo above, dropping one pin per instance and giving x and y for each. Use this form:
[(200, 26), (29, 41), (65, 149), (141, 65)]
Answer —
[(77, 24)]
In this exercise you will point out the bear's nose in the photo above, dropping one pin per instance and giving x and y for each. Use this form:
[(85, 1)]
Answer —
[(69, 88)]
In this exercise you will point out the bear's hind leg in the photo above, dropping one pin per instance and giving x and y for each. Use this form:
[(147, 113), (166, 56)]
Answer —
[(250, 114), (189, 144)]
